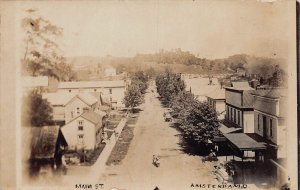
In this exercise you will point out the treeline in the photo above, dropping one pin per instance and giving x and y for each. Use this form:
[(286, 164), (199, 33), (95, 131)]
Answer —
[(252, 64), (135, 91), (197, 121)]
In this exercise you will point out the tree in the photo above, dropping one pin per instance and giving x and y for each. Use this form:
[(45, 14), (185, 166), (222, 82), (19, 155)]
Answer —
[(278, 78), (201, 124), (169, 84), (36, 110), (133, 96), (42, 55), (140, 79)]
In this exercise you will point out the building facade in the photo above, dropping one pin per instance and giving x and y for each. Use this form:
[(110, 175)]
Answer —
[(216, 100), (84, 131), (115, 90), (269, 118), (239, 108), (78, 104)]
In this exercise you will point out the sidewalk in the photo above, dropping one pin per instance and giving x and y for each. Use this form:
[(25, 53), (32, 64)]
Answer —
[(99, 165)]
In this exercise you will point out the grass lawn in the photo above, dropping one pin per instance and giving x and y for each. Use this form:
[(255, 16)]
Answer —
[(120, 150), (92, 156)]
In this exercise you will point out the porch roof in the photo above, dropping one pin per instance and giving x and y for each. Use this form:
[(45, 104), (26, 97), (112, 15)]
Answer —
[(243, 142), (225, 130)]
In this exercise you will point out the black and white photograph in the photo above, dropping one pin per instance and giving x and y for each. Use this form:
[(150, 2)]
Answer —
[(148, 95)]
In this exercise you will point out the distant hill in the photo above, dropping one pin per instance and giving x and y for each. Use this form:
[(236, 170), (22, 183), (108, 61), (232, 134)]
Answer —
[(181, 61)]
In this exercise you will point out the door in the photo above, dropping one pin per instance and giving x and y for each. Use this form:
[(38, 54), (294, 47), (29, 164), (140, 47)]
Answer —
[(264, 126)]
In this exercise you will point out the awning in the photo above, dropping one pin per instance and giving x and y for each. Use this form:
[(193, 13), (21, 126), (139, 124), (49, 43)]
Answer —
[(225, 130), (243, 142)]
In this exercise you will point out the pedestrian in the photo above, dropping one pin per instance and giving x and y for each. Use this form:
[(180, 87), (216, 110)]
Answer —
[(64, 164)]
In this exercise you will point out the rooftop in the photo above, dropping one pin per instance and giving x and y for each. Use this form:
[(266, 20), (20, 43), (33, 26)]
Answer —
[(91, 84), (225, 130), (43, 142), (30, 81), (274, 93), (217, 94), (93, 117), (63, 98), (243, 142), (241, 86)]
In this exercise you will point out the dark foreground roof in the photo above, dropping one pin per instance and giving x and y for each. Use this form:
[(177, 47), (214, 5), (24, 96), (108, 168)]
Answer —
[(44, 141)]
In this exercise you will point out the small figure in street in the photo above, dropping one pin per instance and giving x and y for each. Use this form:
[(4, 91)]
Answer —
[(64, 164), (155, 161)]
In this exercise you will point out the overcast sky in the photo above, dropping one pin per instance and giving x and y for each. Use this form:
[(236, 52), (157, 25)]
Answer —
[(211, 29)]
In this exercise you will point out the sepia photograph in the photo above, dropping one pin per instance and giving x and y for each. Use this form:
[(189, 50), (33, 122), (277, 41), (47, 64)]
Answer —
[(148, 95)]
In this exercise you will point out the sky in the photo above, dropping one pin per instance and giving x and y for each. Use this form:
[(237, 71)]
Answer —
[(209, 29)]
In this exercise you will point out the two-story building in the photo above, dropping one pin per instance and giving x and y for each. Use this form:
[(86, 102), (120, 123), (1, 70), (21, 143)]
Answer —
[(84, 131), (78, 104), (270, 120), (239, 106), (216, 100), (67, 106), (114, 89)]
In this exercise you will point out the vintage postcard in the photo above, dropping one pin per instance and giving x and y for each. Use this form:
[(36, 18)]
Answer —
[(148, 95)]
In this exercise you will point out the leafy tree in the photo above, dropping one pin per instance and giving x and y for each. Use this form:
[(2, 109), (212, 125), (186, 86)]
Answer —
[(278, 78), (36, 110), (181, 104), (133, 96), (140, 79), (42, 55), (169, 84), (200, 124)]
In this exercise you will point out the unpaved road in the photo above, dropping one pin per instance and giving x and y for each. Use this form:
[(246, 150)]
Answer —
[(153, 135)]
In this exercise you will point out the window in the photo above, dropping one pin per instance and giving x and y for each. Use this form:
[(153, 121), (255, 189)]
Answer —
[(110, 91), (235, 116), (239, 118), (80, 136), (78, 110), (231, 113), (80, 128), (95, 90), (227, 112), (271, 127), (70, 90), (80, 122), (258, 116)]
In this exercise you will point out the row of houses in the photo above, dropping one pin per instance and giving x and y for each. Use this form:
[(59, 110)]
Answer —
[(253, 121), (79, 108), (79, 114)]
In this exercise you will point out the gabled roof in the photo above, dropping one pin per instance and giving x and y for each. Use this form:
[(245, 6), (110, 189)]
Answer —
[(92, 117), (91, 84), (63, 98), (43, 142), (86, 98), (57, 98)]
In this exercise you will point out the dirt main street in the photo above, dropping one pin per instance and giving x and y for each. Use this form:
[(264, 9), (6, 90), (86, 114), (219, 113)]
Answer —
[(154, 136)]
